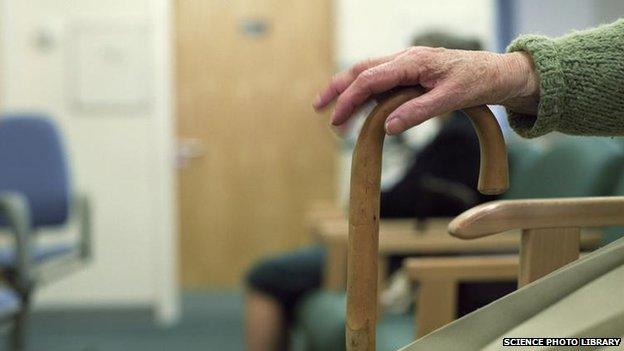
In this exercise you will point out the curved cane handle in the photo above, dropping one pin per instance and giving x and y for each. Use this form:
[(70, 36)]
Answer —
[(364, 206)]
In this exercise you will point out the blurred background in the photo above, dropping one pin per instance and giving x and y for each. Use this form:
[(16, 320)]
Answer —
[(186, 128)]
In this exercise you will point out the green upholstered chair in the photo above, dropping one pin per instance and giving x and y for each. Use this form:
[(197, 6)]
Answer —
[(321, 319), (576, 167), (566, 166), (581, 299), (393, 330), (522, 154)]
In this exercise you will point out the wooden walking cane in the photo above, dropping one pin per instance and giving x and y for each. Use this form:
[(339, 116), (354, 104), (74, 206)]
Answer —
[(362, 273)]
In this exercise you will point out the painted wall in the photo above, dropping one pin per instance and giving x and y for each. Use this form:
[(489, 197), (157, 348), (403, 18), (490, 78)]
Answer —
[(558, 17), (121, 157), (366, 28)]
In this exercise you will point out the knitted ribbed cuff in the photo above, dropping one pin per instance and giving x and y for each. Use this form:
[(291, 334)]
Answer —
[(552, 87)]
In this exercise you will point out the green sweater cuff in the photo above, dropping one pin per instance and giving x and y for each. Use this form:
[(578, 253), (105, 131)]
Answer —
[(581, 82), (552, 87)]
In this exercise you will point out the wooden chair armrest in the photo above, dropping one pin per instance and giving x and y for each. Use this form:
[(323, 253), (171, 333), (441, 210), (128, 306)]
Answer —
[(401, 237), (499, 216), (463, 268), (550, 228)]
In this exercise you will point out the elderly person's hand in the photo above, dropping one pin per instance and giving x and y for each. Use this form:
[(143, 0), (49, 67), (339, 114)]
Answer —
[(454, 79)]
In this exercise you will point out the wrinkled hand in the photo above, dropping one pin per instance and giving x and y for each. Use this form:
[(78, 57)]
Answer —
[(454, 79)]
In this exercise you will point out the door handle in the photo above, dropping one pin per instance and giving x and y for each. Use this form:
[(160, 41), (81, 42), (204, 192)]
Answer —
[(187, 150)]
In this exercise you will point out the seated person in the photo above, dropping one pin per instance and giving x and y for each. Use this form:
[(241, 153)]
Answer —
[(450, 160)]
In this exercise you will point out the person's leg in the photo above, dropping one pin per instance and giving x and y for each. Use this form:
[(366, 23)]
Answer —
[(265, 323), (274, 285)]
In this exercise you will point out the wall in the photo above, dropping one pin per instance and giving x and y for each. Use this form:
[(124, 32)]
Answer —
[(366, 28), (122, 159), (553, 18), (558, 17)]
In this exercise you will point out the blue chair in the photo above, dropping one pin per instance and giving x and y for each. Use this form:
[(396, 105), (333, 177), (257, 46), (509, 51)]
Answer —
[(9, 304), (35, 194)]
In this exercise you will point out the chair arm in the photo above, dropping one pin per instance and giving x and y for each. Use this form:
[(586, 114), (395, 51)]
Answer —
[(439, 278), (401, 237), (499, 216), (463, 268), (17, 213), (82, 214), (550, 228)]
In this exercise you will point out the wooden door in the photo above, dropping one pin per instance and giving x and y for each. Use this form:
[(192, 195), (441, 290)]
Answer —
[(247, 71)]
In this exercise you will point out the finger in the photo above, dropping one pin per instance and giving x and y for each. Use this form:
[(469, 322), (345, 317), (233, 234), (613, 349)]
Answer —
[(435, 102), (343, 79), (375, 80)]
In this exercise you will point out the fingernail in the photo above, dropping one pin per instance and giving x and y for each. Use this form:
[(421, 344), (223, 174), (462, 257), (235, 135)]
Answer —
[(333, 118), (392, 124), (317, 101)]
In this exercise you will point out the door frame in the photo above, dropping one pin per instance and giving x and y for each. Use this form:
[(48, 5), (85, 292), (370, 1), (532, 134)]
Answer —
[(165, 248), (5, 31)]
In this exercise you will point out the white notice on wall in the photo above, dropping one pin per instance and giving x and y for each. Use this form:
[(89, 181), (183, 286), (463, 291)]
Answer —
[(108, 65)]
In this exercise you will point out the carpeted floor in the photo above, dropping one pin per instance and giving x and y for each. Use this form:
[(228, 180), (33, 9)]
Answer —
[(210, 321)]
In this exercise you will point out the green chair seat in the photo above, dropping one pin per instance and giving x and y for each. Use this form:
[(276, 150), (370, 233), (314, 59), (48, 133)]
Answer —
[(522, 155), (395, 331), (320, 319)]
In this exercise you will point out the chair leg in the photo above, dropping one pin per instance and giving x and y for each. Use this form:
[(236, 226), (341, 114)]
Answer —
[(17, 337), (437, 305)]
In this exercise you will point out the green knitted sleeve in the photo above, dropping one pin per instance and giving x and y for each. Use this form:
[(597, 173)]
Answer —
[(581, 83)]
